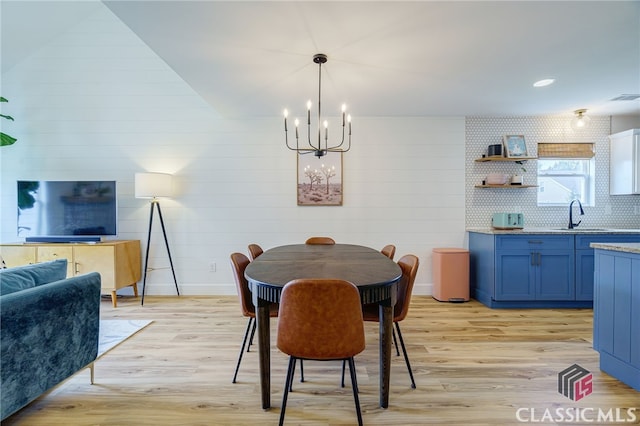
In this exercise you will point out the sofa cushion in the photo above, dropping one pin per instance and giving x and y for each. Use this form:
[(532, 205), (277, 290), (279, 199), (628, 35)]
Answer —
[(23, 277)]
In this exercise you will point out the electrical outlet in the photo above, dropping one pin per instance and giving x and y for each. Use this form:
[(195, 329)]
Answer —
[(212, 267)]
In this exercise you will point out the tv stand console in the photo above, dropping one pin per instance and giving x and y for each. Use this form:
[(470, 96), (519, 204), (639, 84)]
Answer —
[(118, 261)]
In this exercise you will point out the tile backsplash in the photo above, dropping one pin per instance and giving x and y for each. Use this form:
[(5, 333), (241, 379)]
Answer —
[(620, 211)]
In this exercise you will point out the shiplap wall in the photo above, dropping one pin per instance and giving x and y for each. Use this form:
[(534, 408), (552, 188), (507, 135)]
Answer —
[(97, 103)]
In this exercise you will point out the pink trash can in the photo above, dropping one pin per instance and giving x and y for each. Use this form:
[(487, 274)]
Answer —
[(451, 274)]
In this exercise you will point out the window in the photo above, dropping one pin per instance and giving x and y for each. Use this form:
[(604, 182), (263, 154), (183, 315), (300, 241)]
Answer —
[(566, 172)]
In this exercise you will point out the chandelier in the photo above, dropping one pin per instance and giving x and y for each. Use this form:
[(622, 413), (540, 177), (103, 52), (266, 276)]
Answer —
[(319, 147)]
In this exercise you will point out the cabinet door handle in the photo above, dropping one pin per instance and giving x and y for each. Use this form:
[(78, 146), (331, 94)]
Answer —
[(535, 242), (536, 259), (77, 267)]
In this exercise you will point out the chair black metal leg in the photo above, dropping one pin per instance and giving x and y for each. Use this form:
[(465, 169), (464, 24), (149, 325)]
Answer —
[(253, 332), (344, 364), (406, 357), (395, 342), (250, 323), (287, 385), (354, 385), (301, 373)]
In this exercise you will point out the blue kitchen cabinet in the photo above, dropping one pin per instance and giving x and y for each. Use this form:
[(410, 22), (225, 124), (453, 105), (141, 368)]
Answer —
[(524, 270), (616, 313), (515, 279), (535, 267), (585, 259)]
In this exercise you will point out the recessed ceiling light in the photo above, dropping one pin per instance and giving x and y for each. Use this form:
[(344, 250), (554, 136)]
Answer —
[(545, 82)]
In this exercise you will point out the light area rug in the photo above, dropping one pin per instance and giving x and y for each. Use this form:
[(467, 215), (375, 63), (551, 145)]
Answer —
[(114, 332)]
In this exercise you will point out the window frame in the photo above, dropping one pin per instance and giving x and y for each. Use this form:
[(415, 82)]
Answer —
[(587, 178)]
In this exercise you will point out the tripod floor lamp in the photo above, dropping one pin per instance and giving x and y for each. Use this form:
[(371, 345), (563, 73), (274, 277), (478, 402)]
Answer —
[(154, 186)]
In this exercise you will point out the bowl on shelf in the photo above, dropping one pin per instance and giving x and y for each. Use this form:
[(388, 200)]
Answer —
[(497, 179)]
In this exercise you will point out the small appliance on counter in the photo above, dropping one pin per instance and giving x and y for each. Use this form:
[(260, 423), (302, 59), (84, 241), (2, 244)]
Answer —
[(507, 221)]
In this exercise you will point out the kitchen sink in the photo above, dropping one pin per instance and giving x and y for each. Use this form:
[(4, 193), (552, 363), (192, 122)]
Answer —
[(581, 229)]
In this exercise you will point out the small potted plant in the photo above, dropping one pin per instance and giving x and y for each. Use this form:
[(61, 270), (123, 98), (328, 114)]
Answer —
[(4, 138)]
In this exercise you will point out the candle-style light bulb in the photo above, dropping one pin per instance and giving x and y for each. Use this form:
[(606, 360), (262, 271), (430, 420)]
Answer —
[(344, 108), (286, 114), (309, 113), (326, 130), (296, 122), (349, 121)]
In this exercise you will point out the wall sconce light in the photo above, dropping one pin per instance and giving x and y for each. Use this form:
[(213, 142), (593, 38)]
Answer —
[(580, 121)]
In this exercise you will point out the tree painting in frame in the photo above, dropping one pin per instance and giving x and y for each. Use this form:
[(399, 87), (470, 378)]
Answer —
[(515, 146), (320, 180)]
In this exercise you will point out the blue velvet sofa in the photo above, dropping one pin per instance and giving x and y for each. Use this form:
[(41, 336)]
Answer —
[(49, 329)]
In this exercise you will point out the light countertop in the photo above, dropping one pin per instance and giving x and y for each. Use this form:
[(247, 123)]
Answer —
[(554, 231), (625, 247)]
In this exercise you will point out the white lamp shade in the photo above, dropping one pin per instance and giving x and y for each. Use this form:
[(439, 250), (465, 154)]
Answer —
[(153, 185)]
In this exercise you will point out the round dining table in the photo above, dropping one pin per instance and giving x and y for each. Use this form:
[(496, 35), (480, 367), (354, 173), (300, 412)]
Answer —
[(375, 275)]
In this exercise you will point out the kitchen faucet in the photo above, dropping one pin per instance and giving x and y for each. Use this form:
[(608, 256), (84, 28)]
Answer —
[(571, 224)]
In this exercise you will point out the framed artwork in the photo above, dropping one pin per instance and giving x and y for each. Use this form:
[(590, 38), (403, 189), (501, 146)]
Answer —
[(514, 146), (320, 180)]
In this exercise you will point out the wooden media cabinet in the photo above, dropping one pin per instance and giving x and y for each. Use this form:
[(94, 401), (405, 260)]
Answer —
[(118, 262)]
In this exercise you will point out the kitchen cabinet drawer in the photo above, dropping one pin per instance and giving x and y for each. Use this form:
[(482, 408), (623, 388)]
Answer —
[(584, 241), (534, 242)]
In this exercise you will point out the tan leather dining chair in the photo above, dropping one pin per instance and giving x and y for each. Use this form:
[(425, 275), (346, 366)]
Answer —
[(389, 250), (320, 241), (254, 251), (370, 312), (320, 319), (239, 263)]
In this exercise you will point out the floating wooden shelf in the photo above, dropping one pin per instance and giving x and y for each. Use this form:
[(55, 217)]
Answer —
[(498, 158), (509, 186)]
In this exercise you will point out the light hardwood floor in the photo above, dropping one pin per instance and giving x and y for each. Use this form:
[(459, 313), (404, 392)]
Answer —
[(473, 365)]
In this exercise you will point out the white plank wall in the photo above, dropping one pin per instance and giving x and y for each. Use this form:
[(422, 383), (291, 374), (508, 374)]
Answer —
[(97, 103)]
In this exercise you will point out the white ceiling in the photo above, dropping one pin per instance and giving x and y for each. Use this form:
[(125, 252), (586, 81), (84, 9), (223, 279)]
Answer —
[(416, 58)]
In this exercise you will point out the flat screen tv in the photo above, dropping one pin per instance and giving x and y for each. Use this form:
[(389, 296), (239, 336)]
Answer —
[(66, 211)]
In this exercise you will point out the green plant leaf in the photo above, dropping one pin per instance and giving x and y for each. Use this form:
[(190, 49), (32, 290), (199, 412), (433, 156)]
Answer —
[(6, 139), (3, 99), (8, 117)]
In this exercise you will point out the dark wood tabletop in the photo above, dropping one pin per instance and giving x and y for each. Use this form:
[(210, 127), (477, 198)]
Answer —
[(375, 275), (367, 268)]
